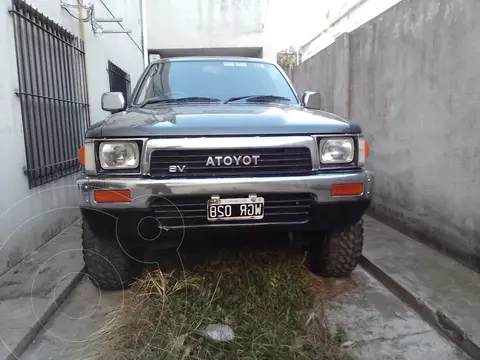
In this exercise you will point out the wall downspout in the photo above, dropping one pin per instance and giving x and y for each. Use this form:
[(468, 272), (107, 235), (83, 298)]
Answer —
[(143, 20), (81, 25)]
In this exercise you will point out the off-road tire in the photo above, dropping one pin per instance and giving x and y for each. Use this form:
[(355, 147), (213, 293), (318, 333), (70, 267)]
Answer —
[(108, 266), (338, 253)]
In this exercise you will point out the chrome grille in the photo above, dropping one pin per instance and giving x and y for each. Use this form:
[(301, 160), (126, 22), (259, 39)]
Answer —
[(286, 161)]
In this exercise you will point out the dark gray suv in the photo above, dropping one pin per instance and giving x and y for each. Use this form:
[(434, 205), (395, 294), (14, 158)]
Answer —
[(219, 143)]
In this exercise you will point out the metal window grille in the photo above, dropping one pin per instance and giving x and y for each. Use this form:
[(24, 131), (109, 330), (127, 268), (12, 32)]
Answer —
[(53, 94), (119, 80)]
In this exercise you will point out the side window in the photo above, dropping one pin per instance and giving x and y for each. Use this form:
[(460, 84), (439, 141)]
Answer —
[(146, 89), (151, 83)]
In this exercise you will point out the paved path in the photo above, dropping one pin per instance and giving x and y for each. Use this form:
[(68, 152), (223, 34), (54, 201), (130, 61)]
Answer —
[(380, 325), (79, 317), (444, 291), (33, 290)]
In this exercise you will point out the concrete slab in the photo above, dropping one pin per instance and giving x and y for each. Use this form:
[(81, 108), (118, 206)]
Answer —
[(443, 291), (79, 317), (379, 324), (32, 291)]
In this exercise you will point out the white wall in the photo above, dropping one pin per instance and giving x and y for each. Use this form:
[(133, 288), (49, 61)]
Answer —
[(28, 218), (271, 24), (118, 48), (185, 24), (339, 16)]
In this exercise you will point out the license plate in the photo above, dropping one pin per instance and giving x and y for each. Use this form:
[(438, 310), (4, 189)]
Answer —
[(235, 209)]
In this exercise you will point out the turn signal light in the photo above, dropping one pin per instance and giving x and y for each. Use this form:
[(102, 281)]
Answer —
[(112, 196), (81, 155), (347, 189), (367, 149)]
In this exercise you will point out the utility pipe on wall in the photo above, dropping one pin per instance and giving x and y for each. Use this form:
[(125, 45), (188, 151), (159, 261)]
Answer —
[(80, 22), (143, 20), (81, 25)]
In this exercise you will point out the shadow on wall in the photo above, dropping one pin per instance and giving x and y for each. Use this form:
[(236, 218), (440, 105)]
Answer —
[(409, 78)]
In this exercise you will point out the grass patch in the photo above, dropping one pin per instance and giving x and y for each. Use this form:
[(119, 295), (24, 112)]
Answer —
[(265, 298)]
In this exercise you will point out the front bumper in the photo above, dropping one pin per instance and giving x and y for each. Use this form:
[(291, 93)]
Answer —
[(144, 191), (141, 217)]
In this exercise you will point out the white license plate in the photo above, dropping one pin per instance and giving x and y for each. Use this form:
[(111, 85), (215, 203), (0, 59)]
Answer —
[(235, 209)]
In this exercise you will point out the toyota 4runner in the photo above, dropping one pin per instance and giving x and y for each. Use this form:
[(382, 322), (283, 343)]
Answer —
[(226, 143)]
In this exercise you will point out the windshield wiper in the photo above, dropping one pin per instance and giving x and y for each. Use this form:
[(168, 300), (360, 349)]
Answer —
[(178, 100), (259, 98)]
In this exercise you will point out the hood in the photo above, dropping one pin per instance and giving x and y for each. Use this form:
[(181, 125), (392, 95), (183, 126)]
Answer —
[(220, 120)]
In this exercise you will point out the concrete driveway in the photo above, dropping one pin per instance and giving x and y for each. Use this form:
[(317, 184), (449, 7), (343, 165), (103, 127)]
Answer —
[(379, 325)]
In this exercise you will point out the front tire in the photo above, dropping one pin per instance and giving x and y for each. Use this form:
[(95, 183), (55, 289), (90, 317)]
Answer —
[(338, 252), (108, 266)]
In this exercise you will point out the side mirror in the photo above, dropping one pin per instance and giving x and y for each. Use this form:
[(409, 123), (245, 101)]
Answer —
[(312, 100), (113, 101)]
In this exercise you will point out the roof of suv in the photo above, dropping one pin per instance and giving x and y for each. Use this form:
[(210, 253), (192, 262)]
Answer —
[(213, 58)]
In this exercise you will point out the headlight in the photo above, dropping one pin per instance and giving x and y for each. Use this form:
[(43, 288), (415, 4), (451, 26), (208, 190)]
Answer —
[(336, 150), (118, 155)]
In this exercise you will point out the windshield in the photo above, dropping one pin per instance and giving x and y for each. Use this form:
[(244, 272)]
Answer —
[(217, 80)]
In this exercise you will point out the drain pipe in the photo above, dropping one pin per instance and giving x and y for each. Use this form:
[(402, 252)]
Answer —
[(80, 22), (81, 25), (143, 20)]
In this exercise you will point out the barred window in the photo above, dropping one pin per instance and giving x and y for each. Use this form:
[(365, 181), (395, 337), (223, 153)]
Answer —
[(119, 80), (53, 94)]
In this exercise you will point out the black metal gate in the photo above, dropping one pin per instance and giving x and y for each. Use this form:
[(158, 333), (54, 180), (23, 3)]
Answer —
[(53, 94), (119, 80)]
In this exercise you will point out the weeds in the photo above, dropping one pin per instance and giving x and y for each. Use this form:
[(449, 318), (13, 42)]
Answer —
[(265, 299)]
